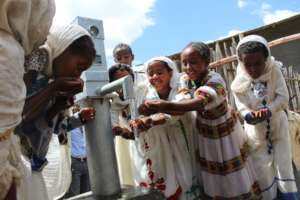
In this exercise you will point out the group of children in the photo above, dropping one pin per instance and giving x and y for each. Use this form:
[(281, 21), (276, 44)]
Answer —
[(191, 143)]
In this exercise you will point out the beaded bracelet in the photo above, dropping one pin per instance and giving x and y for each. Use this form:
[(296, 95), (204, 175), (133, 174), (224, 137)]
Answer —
[(268, 133)]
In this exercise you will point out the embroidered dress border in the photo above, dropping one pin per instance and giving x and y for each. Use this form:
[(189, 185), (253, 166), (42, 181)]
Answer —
[(226, 167), (221, 130), (6, 134), (253, 194)]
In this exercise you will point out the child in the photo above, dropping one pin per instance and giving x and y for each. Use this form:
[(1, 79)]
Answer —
[(52, 79), (226, 171), (120, 115), (261, 96), (163, 153), (122, 53)]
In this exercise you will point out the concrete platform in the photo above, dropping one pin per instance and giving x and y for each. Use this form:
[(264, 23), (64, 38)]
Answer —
[(128, 193)]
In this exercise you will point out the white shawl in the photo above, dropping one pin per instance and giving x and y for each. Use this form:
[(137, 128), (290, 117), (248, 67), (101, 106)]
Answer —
[(59, 39), (243, 80), (27, 21), (277, 93), (174, 82), (24, 25)]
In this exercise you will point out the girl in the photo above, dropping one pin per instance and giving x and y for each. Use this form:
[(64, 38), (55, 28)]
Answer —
[(261, 96), (226, 171), (52, 78), (120, 115), (163, 153)]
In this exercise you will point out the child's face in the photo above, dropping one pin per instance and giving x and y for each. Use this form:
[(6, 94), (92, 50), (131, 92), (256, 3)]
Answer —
[(117, 75), (124, 56), (193, 64), (254, 63), (120, 74), (70, 65), (159, 76)]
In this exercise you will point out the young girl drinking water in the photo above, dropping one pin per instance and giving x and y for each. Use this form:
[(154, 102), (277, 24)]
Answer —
[(163, 153), (261, 96), (226, 171)]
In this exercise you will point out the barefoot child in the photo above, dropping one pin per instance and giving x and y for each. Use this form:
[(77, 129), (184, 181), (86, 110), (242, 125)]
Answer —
[(226, 171), (261, 96), (163, 153)]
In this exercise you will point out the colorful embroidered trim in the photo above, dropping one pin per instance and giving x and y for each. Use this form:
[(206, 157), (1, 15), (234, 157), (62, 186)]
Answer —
[(218, 131), (253, 194), (226, 167), (218, 87), (6, 134)]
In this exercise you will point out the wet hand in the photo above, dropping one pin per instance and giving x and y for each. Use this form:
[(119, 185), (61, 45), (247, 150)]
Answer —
[(157, 105), (68, 86), (117, 130), (141, 124), (261, 114), (87, 114), (144, 110), (123, 132)]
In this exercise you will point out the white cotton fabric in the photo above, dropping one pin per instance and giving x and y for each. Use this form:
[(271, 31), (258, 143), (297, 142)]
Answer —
[(168, 148), (33, 185), (274, 170), (223, 149), (24, 26), (294, 130), (59, 39), (10, 166), (57, 173), (121, 144)]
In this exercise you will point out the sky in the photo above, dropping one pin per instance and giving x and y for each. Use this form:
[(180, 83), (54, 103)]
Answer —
[(163, 27)]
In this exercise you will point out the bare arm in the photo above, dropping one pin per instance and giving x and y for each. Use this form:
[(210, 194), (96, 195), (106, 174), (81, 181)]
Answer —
[(175, 107), (34, 105), (66, 87)]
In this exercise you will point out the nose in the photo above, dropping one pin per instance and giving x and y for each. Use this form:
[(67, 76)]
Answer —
[(155, 76), (124, 61)]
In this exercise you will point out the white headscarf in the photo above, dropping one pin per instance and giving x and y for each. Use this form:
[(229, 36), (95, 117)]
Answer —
[(243, 80), (172, 66), (28, 21), (59, 39)]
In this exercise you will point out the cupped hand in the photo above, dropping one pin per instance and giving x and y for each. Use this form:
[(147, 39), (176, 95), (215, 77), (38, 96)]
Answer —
[(87, 114)]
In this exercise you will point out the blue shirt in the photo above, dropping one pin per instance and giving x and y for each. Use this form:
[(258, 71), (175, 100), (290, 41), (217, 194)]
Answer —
[(78, 143)]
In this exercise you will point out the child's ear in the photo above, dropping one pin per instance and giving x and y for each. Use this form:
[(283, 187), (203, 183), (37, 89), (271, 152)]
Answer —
[(132, 56)]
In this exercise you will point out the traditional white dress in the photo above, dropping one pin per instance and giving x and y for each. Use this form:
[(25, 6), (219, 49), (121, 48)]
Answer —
[(227, 172), (163, 156), (121, 144), (271, 152)]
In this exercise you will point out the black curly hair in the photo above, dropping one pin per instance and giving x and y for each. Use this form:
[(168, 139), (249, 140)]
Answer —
[(202, 48), (252, 47), (119, 67)]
